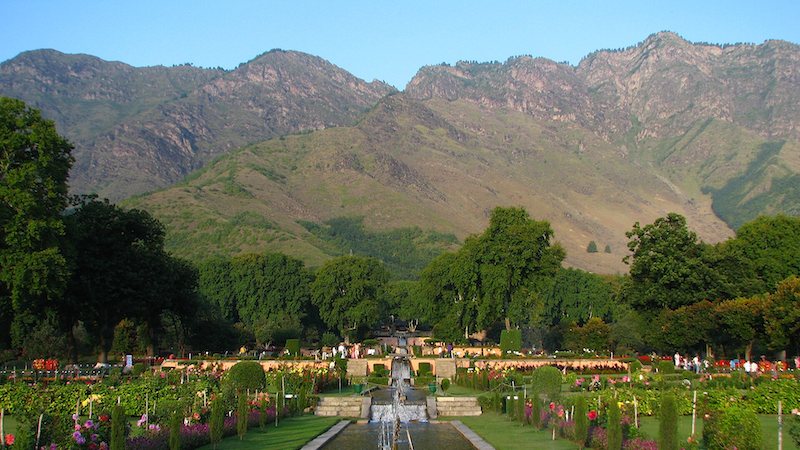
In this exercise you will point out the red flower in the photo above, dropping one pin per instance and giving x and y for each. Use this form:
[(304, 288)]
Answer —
[(592, 415), (103, 418), (552, 406), (9, 439)]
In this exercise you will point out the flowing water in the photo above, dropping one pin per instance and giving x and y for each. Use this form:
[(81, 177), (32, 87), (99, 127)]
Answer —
[(398, 420), (424, 436)]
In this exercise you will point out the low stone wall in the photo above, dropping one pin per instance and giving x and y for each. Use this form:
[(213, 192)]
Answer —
[(441, 367), (570, 364), (267, 364)]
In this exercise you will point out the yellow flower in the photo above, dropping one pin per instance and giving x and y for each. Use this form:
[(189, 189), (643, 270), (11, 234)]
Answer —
[(91, 398)]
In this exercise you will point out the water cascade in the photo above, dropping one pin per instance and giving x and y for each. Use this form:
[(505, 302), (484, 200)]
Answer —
[(397, 415), (398, 404)]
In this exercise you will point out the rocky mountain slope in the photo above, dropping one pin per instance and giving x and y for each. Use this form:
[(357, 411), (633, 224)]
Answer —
[(139, 129), (710, 132)]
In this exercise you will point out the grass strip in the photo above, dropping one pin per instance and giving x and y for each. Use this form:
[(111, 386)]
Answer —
[(291, 434)]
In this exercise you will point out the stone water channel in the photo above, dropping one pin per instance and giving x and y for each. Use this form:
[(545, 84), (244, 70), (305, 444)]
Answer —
[(399, 421)]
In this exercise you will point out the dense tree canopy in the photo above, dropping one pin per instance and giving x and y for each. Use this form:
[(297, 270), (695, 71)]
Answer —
[(347, 290), (269, 294), (495, 276), (117, 258), (577, 295), (671, 267), (34, 166), (771, 244), (512, 252)]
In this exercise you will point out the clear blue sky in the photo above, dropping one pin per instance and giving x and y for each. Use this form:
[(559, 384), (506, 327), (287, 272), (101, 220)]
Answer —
[(389, 41)]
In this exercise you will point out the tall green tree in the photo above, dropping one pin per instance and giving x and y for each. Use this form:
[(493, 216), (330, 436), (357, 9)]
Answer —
[(447, 295), (740, 322), (347, 292), (668, 422), (782, 316), (269, 293), (577, 295), (666, 268), (34, 166), (772, 244), (513, 252), (120, 270)]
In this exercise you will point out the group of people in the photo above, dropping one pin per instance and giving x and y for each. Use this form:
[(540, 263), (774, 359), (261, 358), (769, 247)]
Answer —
[(694, 364), (342, 351)]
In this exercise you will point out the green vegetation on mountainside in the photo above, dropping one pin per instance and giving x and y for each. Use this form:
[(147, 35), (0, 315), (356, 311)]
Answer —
[(404, 251)]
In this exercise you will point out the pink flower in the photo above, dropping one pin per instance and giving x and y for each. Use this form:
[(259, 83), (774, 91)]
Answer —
[(9, 439), (552, 406)]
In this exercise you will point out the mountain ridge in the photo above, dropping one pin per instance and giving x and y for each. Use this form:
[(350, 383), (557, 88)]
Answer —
[(626, 135)]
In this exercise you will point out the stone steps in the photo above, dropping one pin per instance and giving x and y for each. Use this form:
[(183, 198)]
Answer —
[(339, 406), (457, 406)]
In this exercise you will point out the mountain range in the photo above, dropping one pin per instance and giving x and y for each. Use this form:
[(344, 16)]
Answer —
[(255, 158)]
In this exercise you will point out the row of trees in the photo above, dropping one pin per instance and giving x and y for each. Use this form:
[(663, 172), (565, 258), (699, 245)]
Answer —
[(83, 270), (69, 263)]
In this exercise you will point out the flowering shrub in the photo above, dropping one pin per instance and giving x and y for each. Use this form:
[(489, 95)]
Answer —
[(309, 380), (484, 379), (192, 436), (598, 438), (732, 428), (639, 444)]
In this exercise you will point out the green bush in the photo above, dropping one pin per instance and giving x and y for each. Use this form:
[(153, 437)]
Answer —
[(216, 422), (581, 421), (614, 436), (666, 367), (510, 341), (293, 346), (329, 339), (547, 380), (521, 418), (424, 381), (536, 410), (118, 420), (379, 370), (138, 369), (487, 403), (246, 375), (175, 423), (445, 384), (242, 410), (374, 378), (668, 423), (424, 369), (733, 427)]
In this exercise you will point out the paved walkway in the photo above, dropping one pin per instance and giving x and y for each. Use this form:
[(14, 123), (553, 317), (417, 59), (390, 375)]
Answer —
[(320, 440), (476, 440)]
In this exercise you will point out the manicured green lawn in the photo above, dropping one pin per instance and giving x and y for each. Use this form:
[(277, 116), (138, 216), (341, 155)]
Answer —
[(503, 434), (292, 433), (769, 428)]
